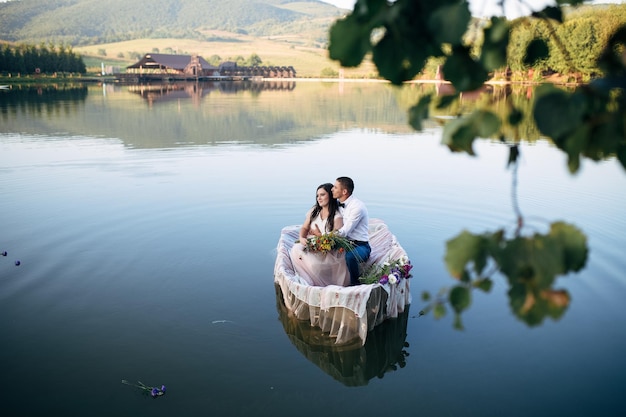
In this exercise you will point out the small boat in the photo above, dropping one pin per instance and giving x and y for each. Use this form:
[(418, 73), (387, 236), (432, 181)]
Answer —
[(344, 313), (4, 87)]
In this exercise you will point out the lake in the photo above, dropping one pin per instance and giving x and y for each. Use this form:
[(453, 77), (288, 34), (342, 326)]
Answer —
[(146, 219)]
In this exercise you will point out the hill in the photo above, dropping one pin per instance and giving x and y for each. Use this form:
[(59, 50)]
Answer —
[(84, 22)]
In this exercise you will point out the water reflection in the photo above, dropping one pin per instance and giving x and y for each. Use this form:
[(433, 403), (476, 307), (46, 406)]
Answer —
[(352, 365), (262, 114), (41, 99), (195, 91)]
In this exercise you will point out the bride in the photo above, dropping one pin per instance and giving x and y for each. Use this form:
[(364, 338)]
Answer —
[(317, 268)]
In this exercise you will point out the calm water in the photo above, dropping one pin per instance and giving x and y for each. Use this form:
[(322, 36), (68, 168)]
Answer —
[(146, 222)]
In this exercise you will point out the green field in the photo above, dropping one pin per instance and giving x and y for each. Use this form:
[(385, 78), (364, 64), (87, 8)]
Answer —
[(303, 54)]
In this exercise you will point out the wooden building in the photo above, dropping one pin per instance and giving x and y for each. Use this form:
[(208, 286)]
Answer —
[(231, 69), (164, 67), (172, 67)]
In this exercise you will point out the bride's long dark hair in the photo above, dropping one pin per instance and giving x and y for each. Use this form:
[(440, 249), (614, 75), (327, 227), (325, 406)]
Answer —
[(332, 206)]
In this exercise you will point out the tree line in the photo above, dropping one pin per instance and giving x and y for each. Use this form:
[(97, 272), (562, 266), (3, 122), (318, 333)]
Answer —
[(573, 46), (42, 59)]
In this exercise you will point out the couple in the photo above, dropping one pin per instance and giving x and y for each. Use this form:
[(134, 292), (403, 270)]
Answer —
[(335, 210)]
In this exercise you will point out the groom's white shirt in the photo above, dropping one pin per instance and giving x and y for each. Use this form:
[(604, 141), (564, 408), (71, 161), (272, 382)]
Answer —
[(355, 220)]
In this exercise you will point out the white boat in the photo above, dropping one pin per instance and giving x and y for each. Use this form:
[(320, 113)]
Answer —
[(344, 313)]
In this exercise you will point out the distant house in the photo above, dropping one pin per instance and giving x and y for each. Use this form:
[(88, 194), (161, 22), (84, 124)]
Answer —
[(174, 65), (228, 68), (231, 69)]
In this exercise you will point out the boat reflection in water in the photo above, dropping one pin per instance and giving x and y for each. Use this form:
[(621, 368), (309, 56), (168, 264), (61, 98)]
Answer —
[(351, 364)]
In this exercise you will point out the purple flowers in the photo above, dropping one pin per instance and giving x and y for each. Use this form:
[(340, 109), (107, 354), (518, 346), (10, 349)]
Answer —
[(153, 391), (389, 272)]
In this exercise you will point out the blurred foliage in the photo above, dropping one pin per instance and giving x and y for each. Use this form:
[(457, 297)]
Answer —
[(403, 36), (587, 121), (530, 264)]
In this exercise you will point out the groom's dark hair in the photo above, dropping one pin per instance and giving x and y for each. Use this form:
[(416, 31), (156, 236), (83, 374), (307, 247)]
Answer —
[(347, 183)]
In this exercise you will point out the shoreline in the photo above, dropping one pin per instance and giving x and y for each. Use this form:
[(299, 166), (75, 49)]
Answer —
[(7, 81)]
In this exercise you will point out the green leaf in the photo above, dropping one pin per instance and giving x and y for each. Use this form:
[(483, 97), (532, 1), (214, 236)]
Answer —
[(517, 296), (458, 323), (445, 101), (419, 112), (496, 40), (465, 277), (459, 133), (463, 249), (550, 12), (486, 122), (573, 244), (484, 284), (610, 60), (463, 71), (368, 9), (556, 301), (515, 116), (396, 61), (555, 114), (536, 51), (574, 145), (534, 261), (425, 296), (449, 23), (349, 41), (459, 136), (439, 311), (460, 298)]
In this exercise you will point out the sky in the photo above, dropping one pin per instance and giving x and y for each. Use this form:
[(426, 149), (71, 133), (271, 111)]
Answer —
[(513, 8)]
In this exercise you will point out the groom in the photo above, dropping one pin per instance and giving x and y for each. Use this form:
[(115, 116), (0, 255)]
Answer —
[(355, 226)]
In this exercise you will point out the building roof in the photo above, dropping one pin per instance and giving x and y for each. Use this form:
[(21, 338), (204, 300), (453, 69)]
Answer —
[(177, 62)]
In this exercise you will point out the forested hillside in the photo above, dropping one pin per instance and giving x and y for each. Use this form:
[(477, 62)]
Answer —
[(82, 22)]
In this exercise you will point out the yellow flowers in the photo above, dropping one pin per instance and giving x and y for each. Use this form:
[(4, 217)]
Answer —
[(327, 242)]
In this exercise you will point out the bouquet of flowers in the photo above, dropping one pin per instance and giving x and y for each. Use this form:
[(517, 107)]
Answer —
[(391, 271), (327, 242), (153, 391)]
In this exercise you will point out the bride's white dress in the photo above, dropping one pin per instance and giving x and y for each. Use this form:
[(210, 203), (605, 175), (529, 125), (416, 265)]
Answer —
[(320, 269)]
